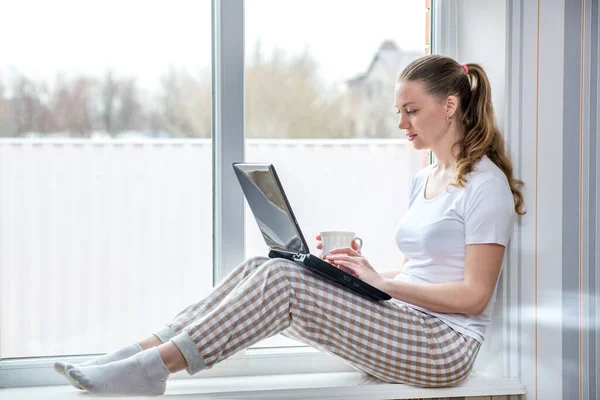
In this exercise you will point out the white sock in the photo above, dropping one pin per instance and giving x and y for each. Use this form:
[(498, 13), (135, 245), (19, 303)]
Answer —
[(142, 374), (120, 354)]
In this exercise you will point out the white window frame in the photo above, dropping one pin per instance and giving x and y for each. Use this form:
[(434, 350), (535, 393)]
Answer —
[(228, 206), (444, 25)]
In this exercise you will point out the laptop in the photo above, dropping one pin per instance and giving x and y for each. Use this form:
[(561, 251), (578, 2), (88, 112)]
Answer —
[(281, 232)]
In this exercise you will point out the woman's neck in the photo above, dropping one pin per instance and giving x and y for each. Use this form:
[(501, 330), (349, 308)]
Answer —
[(446, 151)]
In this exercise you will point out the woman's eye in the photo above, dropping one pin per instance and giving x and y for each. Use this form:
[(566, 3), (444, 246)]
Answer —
[(409, 112)]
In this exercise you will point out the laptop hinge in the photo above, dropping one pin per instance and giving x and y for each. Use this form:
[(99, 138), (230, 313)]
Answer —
[(295, 256), (299, 257)]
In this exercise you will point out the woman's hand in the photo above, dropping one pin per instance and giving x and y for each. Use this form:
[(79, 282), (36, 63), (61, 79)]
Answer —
[(320, 246), (355, 246), (352, 262)]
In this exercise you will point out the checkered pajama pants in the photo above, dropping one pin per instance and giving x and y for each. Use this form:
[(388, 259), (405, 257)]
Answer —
[(263, 297)]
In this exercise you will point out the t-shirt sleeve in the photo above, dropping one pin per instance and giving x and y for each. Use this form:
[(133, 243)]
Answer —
[(489, 213)]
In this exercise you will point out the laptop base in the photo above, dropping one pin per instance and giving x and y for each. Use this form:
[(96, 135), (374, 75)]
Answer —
[(331, 273)]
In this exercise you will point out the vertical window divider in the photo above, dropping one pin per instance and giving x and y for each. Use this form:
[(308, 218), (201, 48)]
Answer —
[(444, 28), (228, 134)]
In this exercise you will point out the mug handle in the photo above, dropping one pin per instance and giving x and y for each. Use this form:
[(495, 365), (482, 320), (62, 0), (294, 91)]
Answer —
[(360, 244)]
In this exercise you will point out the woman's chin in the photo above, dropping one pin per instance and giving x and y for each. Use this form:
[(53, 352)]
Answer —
[(417, 145)]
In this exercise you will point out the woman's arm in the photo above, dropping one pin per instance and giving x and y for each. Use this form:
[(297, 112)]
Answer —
[(471, 296), (391, 273)]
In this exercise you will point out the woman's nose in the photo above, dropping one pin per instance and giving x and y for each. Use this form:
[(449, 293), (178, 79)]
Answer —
[(403, 122)]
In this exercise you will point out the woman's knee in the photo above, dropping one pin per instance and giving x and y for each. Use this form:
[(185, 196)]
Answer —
[(256, 260), (248, 267), (279, 268), (251, 264), (280, 264)]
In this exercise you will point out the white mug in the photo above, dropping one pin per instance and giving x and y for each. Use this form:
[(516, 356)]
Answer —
[(336, 239)]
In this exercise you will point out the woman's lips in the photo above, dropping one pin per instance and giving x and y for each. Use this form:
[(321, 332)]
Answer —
[(411, 137)]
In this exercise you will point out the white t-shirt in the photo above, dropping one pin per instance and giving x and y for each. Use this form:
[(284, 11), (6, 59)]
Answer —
[(434, 232)]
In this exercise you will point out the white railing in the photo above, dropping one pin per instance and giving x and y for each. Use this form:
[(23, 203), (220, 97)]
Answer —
[(103, 242)]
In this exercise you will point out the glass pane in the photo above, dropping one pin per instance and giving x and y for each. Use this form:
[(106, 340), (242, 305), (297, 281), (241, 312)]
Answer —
[(102, 238), (320, 79)]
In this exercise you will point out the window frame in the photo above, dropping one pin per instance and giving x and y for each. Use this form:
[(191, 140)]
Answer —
[(228, 216)]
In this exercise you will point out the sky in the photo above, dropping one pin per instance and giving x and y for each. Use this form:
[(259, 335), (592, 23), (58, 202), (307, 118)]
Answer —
[(142, 38)]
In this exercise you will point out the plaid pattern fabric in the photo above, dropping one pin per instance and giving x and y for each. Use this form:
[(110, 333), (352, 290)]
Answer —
[(388, 340)]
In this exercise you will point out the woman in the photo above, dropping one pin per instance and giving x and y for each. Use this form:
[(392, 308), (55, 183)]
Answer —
[(461, 211)]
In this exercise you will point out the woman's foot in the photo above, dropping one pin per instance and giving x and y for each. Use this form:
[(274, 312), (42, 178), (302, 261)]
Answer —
[(61, 368), (118, 355), (142, 374)]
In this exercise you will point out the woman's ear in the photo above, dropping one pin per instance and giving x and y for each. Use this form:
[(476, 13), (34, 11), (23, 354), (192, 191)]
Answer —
[(451, 106)]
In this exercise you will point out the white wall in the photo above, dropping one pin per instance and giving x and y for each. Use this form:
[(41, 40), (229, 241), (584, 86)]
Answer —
[(539, 58), (482, 40)]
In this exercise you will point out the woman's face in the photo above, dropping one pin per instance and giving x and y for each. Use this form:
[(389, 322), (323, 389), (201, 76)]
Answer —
[(424, 117)]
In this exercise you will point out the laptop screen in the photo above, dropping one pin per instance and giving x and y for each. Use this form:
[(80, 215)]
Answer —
[(270, 207)]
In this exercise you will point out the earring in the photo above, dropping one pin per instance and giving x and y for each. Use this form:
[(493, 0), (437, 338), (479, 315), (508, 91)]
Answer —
[(448, 120)]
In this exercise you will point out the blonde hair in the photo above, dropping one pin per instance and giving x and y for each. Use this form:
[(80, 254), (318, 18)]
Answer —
[(442, 77)]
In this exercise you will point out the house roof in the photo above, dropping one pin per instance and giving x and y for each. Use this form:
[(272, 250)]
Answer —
[(390, 55)]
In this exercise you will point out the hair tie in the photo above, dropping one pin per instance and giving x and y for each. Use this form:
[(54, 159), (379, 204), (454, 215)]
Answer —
[(465, 68)]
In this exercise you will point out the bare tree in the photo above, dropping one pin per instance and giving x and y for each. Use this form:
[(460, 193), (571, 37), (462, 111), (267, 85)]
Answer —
[(186, 103), (131, 114), (108, 94), (71, 105), (7, 125), (285, 99), (119, 105), (30, 108)]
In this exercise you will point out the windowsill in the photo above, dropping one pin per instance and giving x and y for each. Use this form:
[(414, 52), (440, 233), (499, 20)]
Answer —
[(332, 385)]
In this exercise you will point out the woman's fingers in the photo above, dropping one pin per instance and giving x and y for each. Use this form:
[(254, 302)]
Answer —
[(344, 262), (346, 266), (344, 257), (345, 250)]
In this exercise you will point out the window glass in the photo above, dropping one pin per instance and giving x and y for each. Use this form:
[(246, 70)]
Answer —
[(102, 237)]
